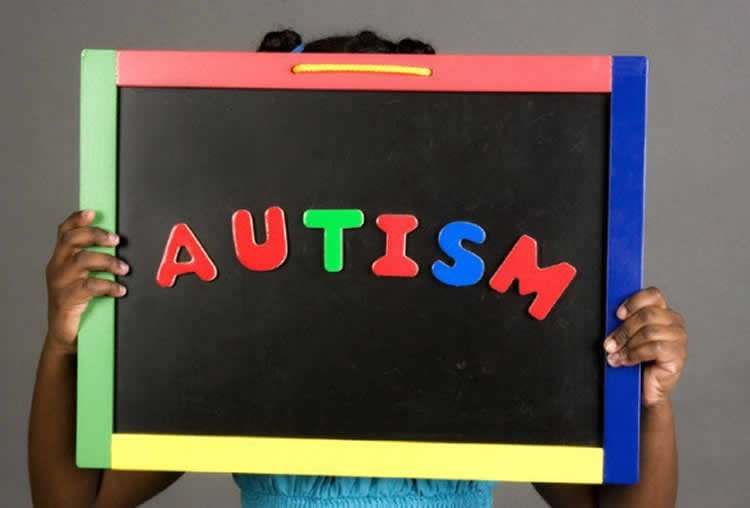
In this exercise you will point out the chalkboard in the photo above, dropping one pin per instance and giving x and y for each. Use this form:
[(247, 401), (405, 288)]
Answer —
[(303, 354)]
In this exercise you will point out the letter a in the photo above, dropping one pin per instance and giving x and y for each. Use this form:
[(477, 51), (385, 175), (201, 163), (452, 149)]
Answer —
[(181, 237)]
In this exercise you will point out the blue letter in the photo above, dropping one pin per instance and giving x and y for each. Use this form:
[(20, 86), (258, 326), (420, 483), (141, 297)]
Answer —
[(468, 267)]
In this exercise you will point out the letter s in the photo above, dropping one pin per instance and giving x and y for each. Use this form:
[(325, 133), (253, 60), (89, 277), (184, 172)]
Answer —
[(468, 268)]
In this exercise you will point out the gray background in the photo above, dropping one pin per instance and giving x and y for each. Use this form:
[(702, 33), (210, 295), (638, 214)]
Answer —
[(698, 176)]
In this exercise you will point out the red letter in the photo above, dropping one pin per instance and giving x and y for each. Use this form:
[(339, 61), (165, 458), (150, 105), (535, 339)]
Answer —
[(181, 237), (395, 262), (260, 257), (548, 283)]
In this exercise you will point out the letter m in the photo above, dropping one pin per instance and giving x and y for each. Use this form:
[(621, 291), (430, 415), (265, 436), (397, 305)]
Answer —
[(548, 283)]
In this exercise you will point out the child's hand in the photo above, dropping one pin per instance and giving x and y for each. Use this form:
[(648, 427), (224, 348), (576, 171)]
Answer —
[(653, 334), (69, 287)]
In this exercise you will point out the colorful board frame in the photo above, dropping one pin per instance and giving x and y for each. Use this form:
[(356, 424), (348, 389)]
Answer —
[(103, 71)]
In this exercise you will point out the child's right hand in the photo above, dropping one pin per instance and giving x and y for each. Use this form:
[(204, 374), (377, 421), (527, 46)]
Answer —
[(69, 287)]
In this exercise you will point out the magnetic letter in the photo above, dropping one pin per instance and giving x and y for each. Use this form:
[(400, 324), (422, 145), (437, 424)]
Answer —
[(181, 237), (264, 257), (333, 223), (395, 262), (468, 267), (548, 283)]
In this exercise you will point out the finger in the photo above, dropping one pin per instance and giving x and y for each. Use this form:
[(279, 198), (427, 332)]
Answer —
[(84, 290), (81, 263), (679, 319), (652, 351), (74, 220), (657, 333), (89, 261), (643, 298), (645, 316), (87, 236)]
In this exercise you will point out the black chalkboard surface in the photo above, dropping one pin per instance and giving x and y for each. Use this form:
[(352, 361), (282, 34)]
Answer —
[(301, 352)]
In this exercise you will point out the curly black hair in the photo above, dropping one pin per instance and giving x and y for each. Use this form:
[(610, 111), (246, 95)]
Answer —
[(366, 41)]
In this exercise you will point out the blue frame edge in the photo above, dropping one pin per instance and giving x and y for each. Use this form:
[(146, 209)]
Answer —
[(622, 386)]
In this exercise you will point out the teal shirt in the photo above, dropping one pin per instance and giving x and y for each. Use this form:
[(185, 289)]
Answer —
[(282, 491)]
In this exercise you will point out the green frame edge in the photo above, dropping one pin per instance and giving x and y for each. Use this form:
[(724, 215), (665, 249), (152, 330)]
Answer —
[(98, 192)]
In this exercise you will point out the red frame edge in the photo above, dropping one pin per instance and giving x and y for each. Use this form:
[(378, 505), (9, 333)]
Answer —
[(477, 73)]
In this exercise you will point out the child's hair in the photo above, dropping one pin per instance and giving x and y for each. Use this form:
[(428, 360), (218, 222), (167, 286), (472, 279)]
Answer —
[(366, 41)]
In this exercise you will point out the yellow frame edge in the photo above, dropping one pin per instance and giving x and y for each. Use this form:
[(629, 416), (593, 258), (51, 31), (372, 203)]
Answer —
[(340, 457)]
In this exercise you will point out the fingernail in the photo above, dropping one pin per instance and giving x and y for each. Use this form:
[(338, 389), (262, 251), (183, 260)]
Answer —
[(610, 345), (113, 238), (614, 359), (622, 312), (123, 267), (122, 290), (88, 214)]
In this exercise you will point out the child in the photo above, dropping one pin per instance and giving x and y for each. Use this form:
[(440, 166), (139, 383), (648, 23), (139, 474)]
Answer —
[(651, 333)]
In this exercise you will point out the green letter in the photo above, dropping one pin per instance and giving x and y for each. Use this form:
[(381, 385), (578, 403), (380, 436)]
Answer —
[(333, 223)]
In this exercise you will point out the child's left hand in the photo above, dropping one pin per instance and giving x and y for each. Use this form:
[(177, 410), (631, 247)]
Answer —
[(653, 334)]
